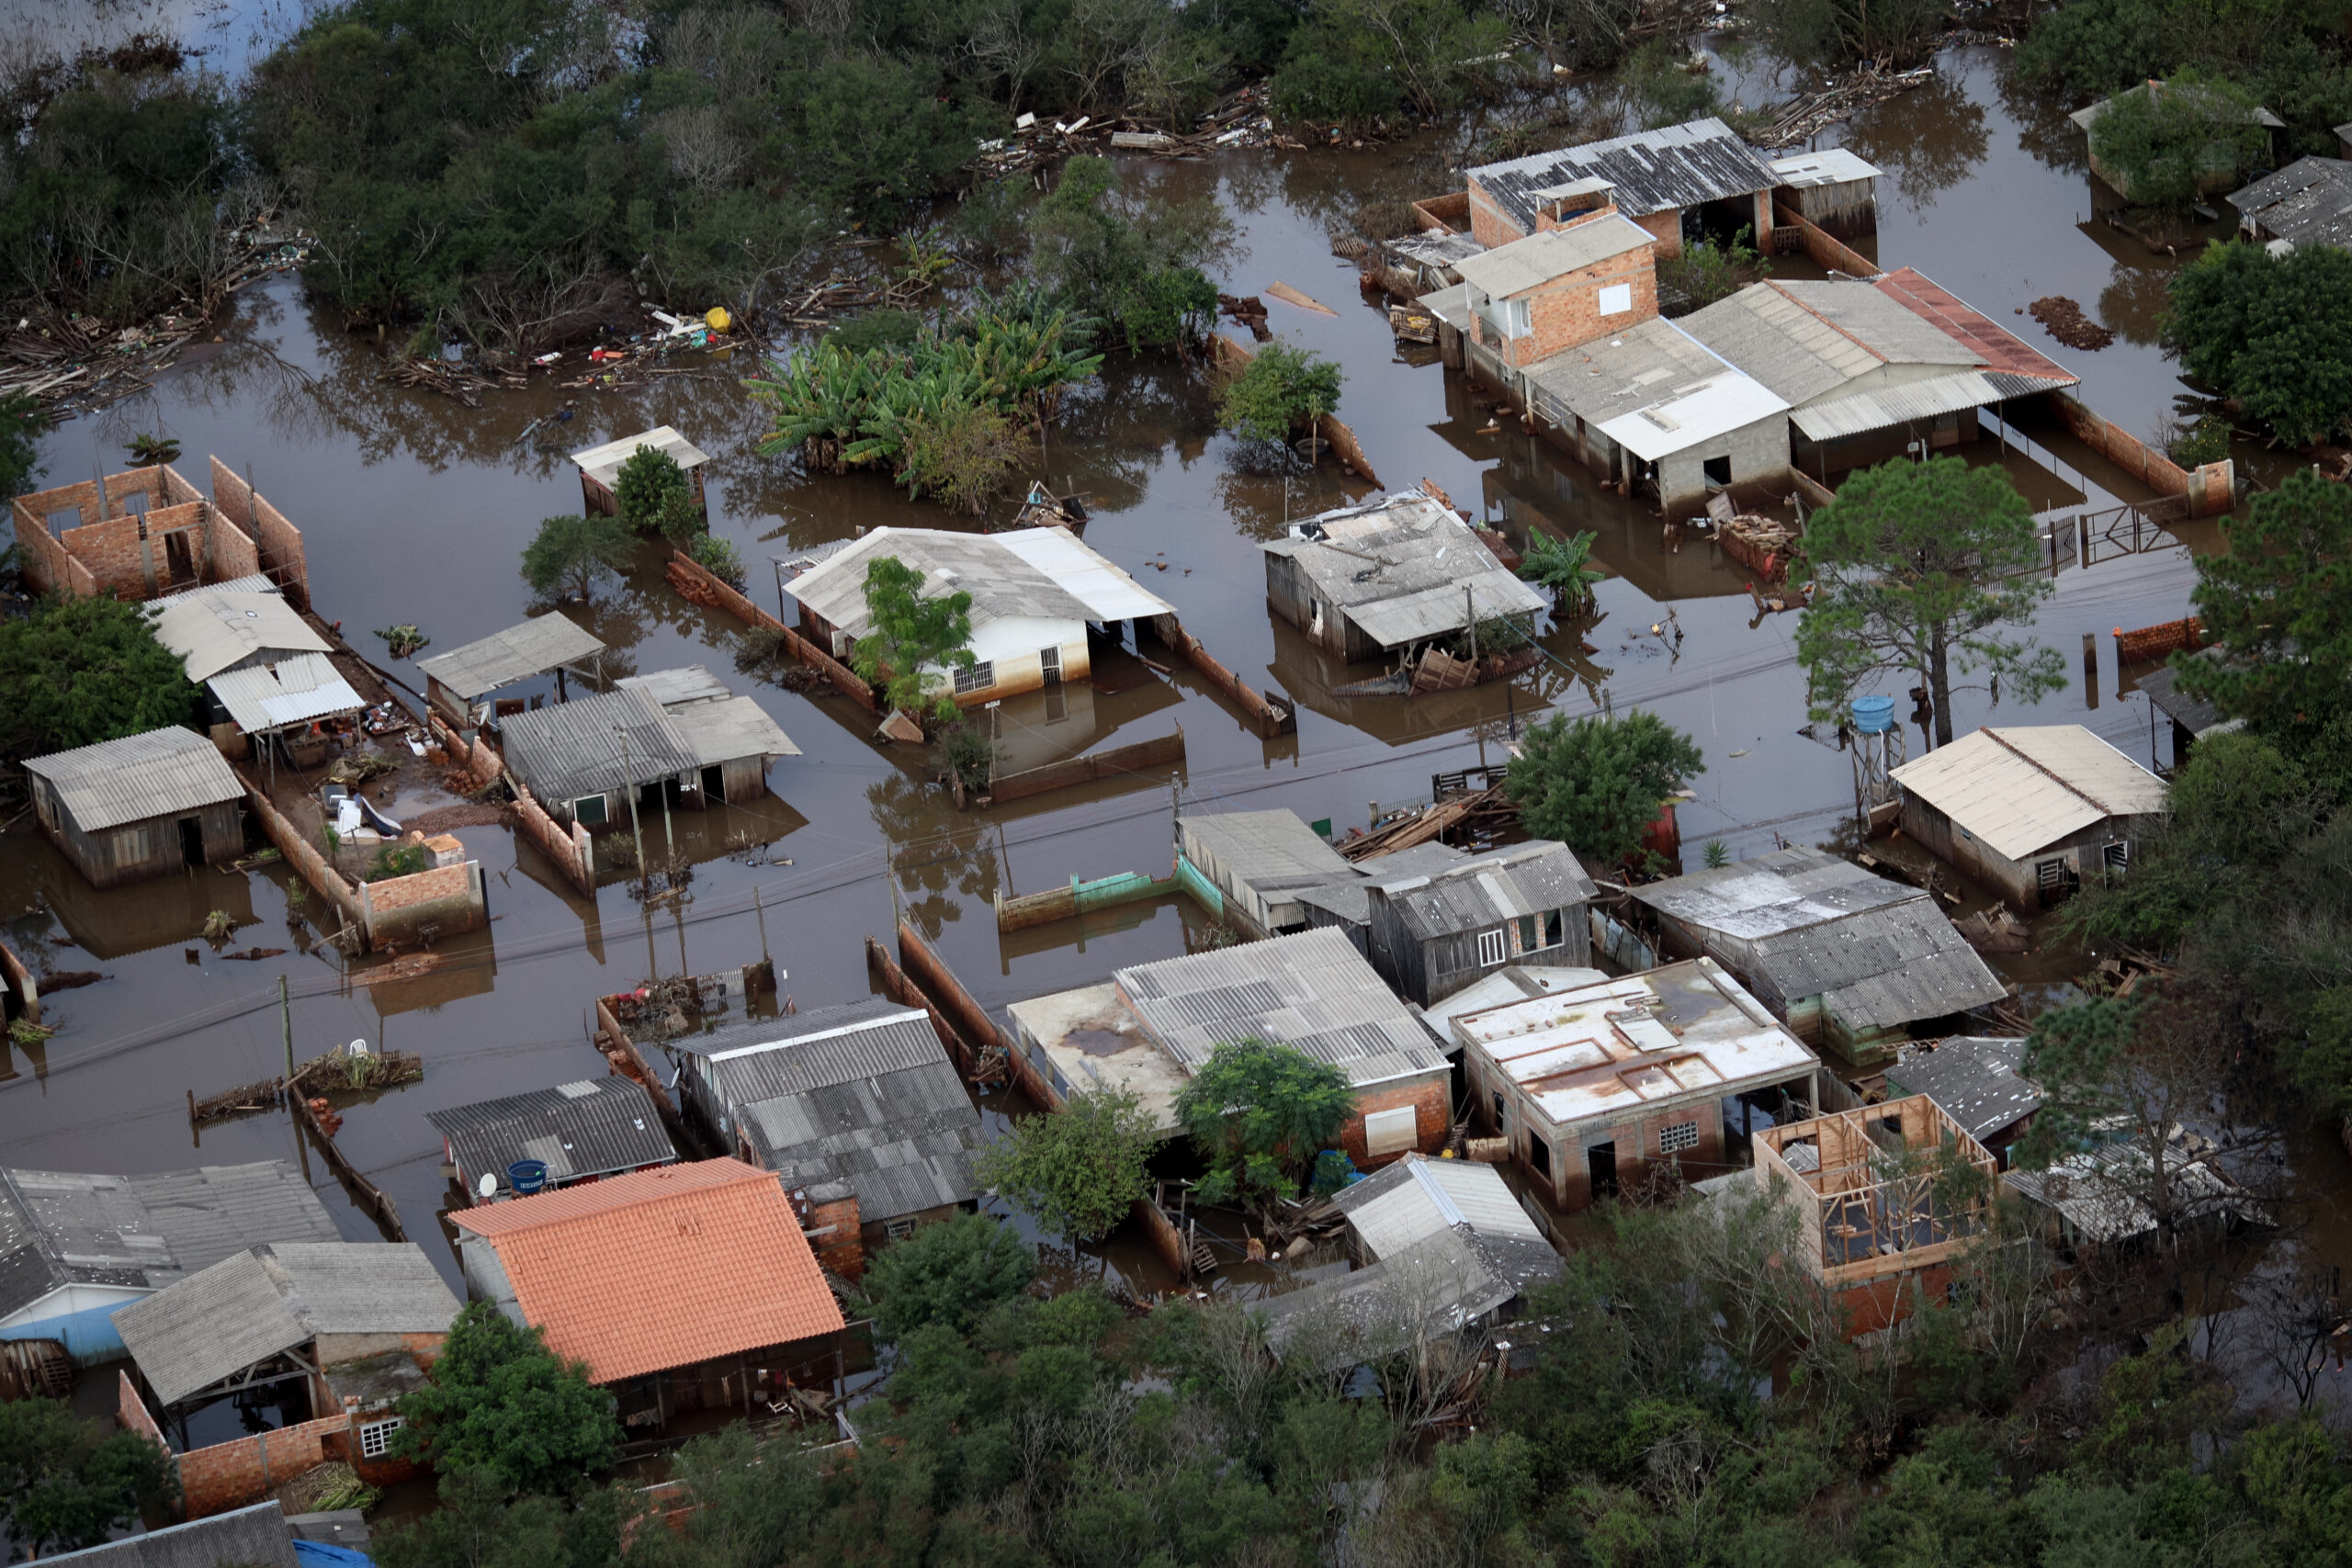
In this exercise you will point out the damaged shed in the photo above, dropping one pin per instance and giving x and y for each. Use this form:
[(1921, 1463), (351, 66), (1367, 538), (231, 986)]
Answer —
[(455, 681), (144, 805), (588, 760), (1373, 580), (1433, 932)]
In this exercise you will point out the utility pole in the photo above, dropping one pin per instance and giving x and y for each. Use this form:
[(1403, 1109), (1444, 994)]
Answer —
[(630, 783), (285, 1023)]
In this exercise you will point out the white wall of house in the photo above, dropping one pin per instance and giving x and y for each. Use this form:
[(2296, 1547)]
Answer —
[(1013, 648)]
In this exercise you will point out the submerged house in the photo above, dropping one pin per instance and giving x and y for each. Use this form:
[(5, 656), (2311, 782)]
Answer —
[(1850, 960), (1386, 577), (1596, 1087), (687, 1288), (265, 670), (1832, 188), (600, 468), (1261, 862), (1879, 1214), (1675, 182), (74, 1249), (552, 643), (1432, 1244), (2029, 811), (2309, 202), (148, 531), (144, 805), (1036, 592), (588, 1130), (586, 761), (1152, 1025), (856, 1107), (1432, 932), (2218, 167)]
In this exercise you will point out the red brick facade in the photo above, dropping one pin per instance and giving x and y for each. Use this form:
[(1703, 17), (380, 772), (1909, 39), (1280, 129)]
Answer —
[(1432, 1104)]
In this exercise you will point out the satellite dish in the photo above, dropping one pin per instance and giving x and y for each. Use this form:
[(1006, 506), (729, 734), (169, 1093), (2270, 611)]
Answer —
[(488, 1185), (358, 1047)]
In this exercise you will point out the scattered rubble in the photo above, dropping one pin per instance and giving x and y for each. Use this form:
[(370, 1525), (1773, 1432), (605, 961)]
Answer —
[(1807, 113), (2066, 322)]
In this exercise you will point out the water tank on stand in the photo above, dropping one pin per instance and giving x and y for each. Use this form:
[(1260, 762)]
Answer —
[(1877, 752)]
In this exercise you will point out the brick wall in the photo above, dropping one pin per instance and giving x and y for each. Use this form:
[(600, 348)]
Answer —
[(130, 1412), (841, 1248), (449, 897), (240, 1473), (1488, 224), (329, 882), (46, 564), (233, 553), (281, 544), (232, 496), (114, 554), (1636, 1146), (1666, 227), (43, 504), (1432, 1116)]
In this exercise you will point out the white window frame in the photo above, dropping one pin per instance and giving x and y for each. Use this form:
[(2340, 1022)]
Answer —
[(376, 1437), (978, 677), (1493, 948)]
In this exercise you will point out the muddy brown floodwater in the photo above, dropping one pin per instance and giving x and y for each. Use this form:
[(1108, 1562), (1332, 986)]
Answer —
[(414, 509)]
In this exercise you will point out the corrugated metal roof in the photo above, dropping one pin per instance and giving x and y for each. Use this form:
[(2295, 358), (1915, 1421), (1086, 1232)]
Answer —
[(1009, 576), (2020, 789), (515, 654), (2308, 202), (577, 749), (1415, 1197), (1451, 306), (253, 582), (902, 1141), (1973, 1080), (213, 629), (267, 1300), (676, 688), (1692, 415), (1790, 349), (603, 464), (2196, 715), (1538, 259), (2099, 1192), (1995, 346), (1439, 1283), (1866, 412), (1788, 890), (1677, 165), (1263, 851), (594, 1127), (1350, 899), (258, 1537), (1483, 890), (1882, 968), (1685, 1034), (754, 1058), (1612, 375), (1827, 166), (1422, 558), (1312, 991), (732, 727), (158, 773), (294, 690)]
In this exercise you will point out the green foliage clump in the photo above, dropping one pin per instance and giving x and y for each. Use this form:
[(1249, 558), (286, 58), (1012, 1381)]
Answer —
[(570, 554), (21, 422), (2206, 441), (1279, 393), (2278, 602), (1662, 88), (1258, 1113), (397, 860), (1356, 62), (78, 671), (1925, 567), (66, 1484), (649, 488), (1705, 272), (969, 753), (2273, 333), (1078, 1170), (2168, 144), (718, 557), (499, 1401), (1130, 260), (1565, 567), (948, 1275), (912, 637), (481, 1523), (1597, 782)]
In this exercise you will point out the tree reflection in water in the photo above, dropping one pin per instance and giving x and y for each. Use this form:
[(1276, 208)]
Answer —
[(939, 857)]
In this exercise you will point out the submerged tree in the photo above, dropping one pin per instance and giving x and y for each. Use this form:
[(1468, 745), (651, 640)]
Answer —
[(70, 1483), (1597, 782), (1924, 568), (2278, 602), (949, 1274), (1563, 566), (2166, 143), (78, 671), (570, 554), (1078, 1170), (2273, 333), (1281, 392), (1131, 259)]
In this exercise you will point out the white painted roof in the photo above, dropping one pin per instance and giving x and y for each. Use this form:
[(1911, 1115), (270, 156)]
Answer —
[(1691, 415), (1108, 593), (1829, 166), (603, 464), (2020, 789), (293, 691), (1685, 1033), (1009, 576), (1538, 259)]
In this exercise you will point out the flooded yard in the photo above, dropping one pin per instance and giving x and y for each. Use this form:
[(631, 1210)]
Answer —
[(414, 509)]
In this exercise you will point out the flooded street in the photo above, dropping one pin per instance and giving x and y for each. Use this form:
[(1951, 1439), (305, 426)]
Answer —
[(415, 508)]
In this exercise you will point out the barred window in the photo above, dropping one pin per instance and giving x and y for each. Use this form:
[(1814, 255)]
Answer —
[(898, 1229), (376, 1438), (1677, 1138), (978, 677)]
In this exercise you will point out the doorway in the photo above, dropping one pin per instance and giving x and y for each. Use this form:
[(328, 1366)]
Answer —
[(192, 840), (179, 558), (1600, 1163), (714, 784)]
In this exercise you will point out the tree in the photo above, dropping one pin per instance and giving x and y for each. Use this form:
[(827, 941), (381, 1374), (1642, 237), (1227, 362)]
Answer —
[(500, 1402), (963, 453), (2166, 143), (2273, 333), (21, 422), (2278, 602), (78, 671), (911, 636), (1280, 390), (1258, 1113), (69, 1483), (649, 488), (1132, 260), (572, 555), (1596, 783), (1917, 568), (1838, 32), (1077, 1169), (949, 1274), (1564, 566), (480, 1524)]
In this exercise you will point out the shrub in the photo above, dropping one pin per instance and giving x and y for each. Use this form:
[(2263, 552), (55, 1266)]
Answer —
[(962, 455), (951, 1273), (717, 557), (570, 554), (398, 860), (78, 671), (1278, 392), (652, 490)]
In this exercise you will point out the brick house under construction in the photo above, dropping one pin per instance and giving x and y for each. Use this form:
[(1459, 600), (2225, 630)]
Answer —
[(148, 532)]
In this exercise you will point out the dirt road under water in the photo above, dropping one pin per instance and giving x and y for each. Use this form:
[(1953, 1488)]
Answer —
[(414, 509)]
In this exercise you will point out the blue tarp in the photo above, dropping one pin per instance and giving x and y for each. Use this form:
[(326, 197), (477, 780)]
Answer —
[(320, 1554)]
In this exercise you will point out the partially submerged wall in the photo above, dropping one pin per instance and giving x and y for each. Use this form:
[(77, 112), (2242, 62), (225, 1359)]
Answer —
[(2209, 489), (699, 587), (569, 848), (1803, 234), (1118, 762), (1271, 718), (329, 882), (424, 906)]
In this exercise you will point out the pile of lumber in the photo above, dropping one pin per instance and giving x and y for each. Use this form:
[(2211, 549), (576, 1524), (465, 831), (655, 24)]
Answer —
[(1802, 117)]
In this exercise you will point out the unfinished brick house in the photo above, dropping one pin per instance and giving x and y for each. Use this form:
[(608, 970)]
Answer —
[(1883, 1201), (148, 531)]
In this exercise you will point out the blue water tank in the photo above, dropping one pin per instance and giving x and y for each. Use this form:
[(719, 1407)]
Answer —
[(527, 1175), (1874, 716)]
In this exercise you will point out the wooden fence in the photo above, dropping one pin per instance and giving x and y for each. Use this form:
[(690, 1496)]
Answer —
[(1120, 762)]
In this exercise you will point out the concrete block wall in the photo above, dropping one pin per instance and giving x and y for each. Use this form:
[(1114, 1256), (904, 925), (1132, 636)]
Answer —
[(1432, 1106), (449, 897)]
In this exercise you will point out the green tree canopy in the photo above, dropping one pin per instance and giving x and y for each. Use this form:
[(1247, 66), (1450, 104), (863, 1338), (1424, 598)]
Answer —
[(2274, 333), (572, 555), (656, 497), (2165, 144), (1131, 259), (67, 1483), (2279, 603), (1564, 566), (950, 1274), (1927, 568), (1597, 782), (913, 635), (1077, 1169), (1278, 393), (1258, 1113), (499, 1401), (78, 671)]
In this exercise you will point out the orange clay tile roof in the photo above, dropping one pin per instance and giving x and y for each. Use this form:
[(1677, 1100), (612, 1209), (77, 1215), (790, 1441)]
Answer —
[(660, 1270), (1999, 348)]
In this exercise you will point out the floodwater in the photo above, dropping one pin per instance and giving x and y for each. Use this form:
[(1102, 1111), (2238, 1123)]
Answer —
[(414, 509)]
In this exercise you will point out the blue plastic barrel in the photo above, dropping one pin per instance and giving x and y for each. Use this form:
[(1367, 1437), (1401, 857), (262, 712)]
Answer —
[(527, 1175), (1874, 716)]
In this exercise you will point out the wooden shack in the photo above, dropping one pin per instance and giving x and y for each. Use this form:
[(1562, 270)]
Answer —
[(1831, 188), (144, 805), (1433, 932)]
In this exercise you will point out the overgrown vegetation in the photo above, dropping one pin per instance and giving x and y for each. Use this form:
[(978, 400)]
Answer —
[(1705, 272), (497, 1403), (1565, 567), (2169, 144), (1258, 1113), (570, 555), (1280, 393), (913, 636), (67, 1483), (2271, 334), (1079, 1169), (1597, 782), (76, 672), (397, 860)]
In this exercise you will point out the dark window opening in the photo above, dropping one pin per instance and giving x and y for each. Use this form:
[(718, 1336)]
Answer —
[(1600, 1161), (1500, 1121), (1539, 1155), (714, 783), (192, 840), (1718, 470)]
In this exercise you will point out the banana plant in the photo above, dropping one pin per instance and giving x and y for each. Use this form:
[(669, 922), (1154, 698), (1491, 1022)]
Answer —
[(1561, 565)]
